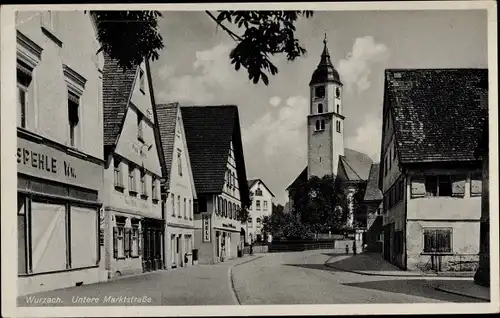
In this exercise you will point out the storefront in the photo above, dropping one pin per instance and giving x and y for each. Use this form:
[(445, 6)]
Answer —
[(57, 217), (227, 239), (153, 244)]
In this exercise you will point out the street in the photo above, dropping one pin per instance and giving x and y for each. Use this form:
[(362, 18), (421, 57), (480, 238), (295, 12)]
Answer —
[(280, 278)]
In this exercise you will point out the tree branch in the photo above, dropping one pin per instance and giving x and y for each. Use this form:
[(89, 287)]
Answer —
[(233, 35)]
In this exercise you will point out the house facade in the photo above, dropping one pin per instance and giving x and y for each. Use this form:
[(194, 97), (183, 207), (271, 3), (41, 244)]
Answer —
[(59, 150), (373, 202), (133, 222), (261, 205), (429, 177), (178, 190), (216, 153)]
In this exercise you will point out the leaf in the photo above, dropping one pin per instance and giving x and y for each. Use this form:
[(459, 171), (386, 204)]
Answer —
[(265, 79)]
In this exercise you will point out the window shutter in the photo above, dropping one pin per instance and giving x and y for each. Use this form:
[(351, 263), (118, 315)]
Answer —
[(127, 242), (458, 186), (418, 187), (476, 185), (115, 242)]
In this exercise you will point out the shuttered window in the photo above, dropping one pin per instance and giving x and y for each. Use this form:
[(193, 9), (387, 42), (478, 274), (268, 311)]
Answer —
[(438, 240)]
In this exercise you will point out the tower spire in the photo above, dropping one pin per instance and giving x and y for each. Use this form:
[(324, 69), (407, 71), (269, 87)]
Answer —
[(325, 56)]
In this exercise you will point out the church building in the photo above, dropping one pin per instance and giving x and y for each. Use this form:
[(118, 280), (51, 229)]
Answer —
[(325, 135)]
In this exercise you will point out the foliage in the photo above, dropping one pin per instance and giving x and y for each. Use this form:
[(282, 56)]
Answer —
[(132, 36), (316, 203), (129, 36), (287, 225), (266, 33), (244, 213)]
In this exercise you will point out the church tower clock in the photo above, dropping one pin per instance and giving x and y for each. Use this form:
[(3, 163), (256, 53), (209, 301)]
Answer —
[(325, 122)]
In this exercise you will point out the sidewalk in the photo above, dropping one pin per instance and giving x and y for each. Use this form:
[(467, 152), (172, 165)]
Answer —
[(372, 264), (465, 288), (194, 285)]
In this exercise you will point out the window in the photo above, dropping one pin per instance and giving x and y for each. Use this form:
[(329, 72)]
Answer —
[(230, 210), (83, 238), (317, 125), (250, 221), (172, 197), (190, 210), (134, 241), (320, 108), (337, 124), (73, 117), (476, 184), (142, 81), (131, 179), (118, 173), (154, 190), (179, 161), (319, 92), (258, 192), (21, 235), (234, 181), (438, 240), (338, 109), (185, 208), (179, 206), (438, 186), (23, 83), (337, 92), (144, 189), (257, 205), (322, 124), (259, 222), (139, 127), (265, 205)]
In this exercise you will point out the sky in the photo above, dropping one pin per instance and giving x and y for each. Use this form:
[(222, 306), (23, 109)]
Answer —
[(194, 69)]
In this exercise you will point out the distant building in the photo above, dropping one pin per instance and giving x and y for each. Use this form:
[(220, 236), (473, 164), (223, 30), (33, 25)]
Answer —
[(325, 136), (213, 137), (178, 187), (60, 159), (429, 177), (483, 272), (133, 219), (373, 202), (262, 205)]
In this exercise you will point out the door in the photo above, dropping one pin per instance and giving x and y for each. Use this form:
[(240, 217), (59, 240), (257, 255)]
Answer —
[(177, 250), (387, 243)]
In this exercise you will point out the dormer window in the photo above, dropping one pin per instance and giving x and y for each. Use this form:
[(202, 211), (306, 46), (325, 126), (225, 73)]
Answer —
[(319, 92), (320, 108)]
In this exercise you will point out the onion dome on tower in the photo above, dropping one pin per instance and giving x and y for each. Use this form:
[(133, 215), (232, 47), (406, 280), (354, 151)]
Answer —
[(325, 72)]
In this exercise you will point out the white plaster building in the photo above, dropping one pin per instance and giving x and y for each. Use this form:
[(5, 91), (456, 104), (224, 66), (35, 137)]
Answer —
[(262, 205)]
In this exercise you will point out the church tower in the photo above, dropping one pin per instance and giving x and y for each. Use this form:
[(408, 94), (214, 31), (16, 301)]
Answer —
[(325, 123)]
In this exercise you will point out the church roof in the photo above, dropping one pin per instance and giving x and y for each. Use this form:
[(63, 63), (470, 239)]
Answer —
[(437, 113), (373, 193), (325, 72), (356, 165)]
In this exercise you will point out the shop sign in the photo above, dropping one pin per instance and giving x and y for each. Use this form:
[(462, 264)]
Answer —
[(230, 225), (45, 162), (207, 229)]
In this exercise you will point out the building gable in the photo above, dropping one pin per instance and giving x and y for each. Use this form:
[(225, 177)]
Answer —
[(259, 184)]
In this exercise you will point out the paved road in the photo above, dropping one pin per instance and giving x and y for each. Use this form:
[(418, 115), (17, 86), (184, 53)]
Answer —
[(302, 278)]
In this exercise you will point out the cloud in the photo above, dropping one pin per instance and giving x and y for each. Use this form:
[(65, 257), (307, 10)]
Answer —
[(281, 132), (275, 101), (367, 137), (210, 71), (355, 69)]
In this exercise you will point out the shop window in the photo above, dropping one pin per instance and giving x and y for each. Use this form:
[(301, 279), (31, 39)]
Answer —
[(21, 235), (48, 237), (83, 236), (438, 240)]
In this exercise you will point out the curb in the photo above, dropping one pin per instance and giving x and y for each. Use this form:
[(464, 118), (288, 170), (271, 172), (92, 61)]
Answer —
[(449, 291), (231, 280), (395, 275)]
